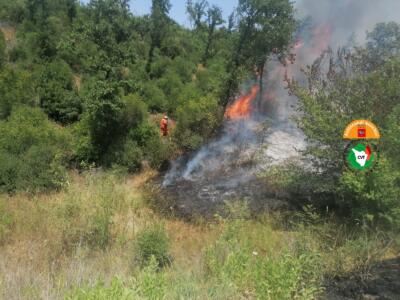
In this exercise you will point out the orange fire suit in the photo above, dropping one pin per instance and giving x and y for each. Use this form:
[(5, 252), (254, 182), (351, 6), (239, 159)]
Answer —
[(164, 127)]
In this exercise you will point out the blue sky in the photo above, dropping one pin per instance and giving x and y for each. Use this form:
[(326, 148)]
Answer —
[(178, 10)]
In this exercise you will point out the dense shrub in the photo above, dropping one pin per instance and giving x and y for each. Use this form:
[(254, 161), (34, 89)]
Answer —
[(154, 97), (149, 284), (196, 121), (94, 65), (15, 88), (372, 197), (367, 91), (116, 290), (155, 150), (232, 261), (130, 156), (33, 152), (152, 243), (100, 127), (57, 94), (134, 111)]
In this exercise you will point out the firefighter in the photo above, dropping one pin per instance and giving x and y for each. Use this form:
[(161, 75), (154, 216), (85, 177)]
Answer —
[(164, 126)]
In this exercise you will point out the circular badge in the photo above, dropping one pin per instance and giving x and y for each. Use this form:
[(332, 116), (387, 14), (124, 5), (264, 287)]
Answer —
[(361, 156), (361, 153)]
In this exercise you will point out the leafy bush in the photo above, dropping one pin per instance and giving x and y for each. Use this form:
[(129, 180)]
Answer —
[(154, 97), (292, 274), (12, 11), (372, 198), (172, 88), (152, 283), (369, 91), (134, 111), (128, 151), (153, 243), (116, 290), (129, 156), (33, 152), (158, 151), (196, 121), (149, 284), (154, 149), (100, 126), (16, 88), (57, 95)]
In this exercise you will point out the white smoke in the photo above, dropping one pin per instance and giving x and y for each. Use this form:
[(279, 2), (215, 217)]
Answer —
[(270, 136), (349, 18)]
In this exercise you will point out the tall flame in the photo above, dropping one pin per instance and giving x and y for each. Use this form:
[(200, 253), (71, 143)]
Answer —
[(321, 37), (242, 107)]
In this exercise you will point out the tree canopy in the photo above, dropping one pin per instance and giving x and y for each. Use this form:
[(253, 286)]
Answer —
[(105, 76)]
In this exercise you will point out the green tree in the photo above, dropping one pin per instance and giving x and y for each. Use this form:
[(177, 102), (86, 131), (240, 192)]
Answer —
[(332, 100), (57, 94), (71, 8), (196, 12), (159, 26), (12, 11), (214, 19), (33, 152), (103, 111), (263, 25), (383, 43), (16, 88), (197, 120), (38, 10)]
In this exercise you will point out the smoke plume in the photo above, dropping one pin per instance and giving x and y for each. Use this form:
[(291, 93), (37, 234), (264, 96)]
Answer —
[(258, 130)]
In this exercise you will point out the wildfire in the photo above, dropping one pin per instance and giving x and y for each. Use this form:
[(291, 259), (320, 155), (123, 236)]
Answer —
[(270, 96), (298, 44), (321, 36), (242, 108)]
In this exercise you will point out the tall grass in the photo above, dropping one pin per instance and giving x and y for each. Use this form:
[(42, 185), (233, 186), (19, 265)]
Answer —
[(99, 240)]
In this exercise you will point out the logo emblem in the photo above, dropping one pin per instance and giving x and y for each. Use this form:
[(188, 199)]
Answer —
[(361, 152), (361, 156), (361, 129)]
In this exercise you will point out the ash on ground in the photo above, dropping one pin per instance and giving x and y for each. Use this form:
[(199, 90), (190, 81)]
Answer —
[(229, 168)]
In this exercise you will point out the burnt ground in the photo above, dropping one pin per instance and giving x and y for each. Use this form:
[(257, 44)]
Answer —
[(192, 198), (382, 283), (206, 197)]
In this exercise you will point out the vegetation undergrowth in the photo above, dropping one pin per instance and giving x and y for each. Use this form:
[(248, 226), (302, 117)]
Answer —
[(98, 239)]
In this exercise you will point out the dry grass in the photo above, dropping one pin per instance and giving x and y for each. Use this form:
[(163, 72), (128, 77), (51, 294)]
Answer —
[(9, 33), (44, 256), (45, 253)]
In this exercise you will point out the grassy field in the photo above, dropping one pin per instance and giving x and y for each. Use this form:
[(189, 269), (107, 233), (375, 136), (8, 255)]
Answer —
[(98, 239)]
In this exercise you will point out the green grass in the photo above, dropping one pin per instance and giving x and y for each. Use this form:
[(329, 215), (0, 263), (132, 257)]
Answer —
[(98, 239)]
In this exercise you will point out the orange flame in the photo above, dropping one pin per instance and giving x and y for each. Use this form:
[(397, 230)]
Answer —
[(242, 108), (321, 35), (298, 44)]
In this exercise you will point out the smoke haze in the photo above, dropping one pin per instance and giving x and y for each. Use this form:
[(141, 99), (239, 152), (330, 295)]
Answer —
[(228, 165)]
